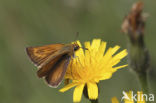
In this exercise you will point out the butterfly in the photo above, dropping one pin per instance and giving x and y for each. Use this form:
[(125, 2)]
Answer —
[(52, 61)]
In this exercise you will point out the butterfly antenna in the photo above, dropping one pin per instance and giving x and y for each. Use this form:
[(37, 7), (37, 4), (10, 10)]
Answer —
[(76, 36), (84, 48)]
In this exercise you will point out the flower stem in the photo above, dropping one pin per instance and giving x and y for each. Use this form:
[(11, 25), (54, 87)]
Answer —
[(143, 81)]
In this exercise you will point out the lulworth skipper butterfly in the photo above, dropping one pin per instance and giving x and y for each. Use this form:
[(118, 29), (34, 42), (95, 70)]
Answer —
[(52, 61)]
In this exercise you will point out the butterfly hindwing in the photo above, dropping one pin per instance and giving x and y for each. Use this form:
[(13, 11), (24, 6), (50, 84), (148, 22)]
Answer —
[(43, 71), (57, 72)]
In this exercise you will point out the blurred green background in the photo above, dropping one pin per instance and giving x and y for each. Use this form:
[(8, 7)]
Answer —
[(26, 23)]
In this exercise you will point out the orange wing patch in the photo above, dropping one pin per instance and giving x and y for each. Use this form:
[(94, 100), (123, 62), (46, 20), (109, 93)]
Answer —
[(39, 54)]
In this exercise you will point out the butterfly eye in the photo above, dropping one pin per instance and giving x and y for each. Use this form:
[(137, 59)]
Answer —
[(76, 47)]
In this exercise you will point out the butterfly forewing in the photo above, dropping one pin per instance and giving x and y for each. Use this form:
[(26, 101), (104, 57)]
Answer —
[(39, 54)]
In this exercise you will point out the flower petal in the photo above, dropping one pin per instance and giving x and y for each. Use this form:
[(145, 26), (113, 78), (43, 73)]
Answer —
[(67, 87), (92, 90), (80, 52), (87, 45), (115, 100), (121, 54), (100, 51), (102, 48), (96, 44), (94, 47), (107, 55), (78, 93), (114, 49), (122, 66), (106, 75)]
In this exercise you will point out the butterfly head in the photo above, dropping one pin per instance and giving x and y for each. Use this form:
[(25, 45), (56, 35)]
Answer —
[(76, 46)]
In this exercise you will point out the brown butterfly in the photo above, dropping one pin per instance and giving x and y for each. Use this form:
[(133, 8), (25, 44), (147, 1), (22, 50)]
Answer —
[(52, 61)]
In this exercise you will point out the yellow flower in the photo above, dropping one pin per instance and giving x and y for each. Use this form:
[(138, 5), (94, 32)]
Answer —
[(140, 98), (91, 66)]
